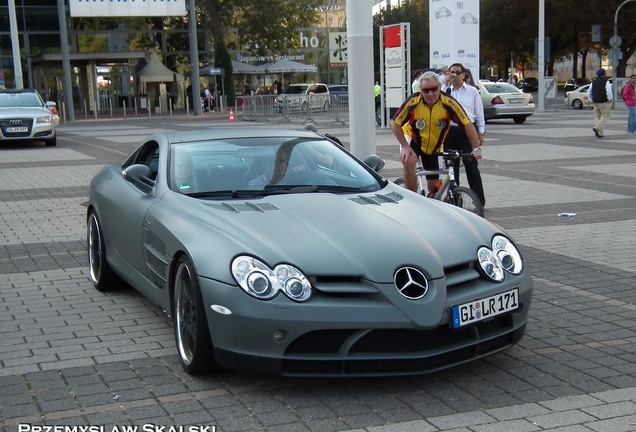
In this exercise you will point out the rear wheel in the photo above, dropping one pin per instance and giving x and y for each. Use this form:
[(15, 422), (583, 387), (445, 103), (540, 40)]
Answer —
[(194, 344), (520, 119), (466, 199)]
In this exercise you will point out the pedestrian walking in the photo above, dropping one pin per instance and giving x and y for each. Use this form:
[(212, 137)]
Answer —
[(600, 95), (629, 97)]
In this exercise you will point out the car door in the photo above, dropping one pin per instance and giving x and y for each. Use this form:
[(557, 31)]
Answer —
[(128, 206)]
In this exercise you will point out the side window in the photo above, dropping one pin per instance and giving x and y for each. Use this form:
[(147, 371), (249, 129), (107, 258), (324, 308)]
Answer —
[(322, 89), (147, 154)]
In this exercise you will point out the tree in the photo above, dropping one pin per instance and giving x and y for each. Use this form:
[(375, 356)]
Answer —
[(264, 26)]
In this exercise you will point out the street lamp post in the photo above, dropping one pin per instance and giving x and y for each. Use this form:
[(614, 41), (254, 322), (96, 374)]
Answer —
[(616, 49)]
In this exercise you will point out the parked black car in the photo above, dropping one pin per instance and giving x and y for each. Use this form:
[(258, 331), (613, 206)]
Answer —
[(574, 83), (529, 84)]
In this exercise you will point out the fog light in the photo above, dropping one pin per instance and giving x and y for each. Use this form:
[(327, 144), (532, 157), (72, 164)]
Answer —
[(279, 335)]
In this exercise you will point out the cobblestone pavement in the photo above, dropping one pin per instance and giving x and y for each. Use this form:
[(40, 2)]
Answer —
[(72, 356)]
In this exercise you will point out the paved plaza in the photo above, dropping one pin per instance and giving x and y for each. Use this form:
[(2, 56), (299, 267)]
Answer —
[(70, 355)]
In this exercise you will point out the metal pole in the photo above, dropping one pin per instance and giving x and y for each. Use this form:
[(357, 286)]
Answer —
[(541, 56), (66, 63), (15, 46), (194, 58), (360, 66)]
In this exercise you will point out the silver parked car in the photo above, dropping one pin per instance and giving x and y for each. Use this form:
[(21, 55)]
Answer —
[(279, 252), (24, 116), (505, 101), (303, 97)]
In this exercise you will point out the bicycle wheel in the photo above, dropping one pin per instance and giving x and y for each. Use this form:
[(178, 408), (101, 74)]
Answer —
[(466, 199)]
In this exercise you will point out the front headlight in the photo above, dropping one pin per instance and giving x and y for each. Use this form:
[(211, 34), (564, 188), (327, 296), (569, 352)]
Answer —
[(44, 119), (503, 256), (258, 280)]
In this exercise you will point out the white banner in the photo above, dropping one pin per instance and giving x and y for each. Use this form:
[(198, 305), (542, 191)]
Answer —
[(124, 8), (454, 33)]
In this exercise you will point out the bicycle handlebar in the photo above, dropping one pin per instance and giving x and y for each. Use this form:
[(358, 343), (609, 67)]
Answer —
[(452, 154)]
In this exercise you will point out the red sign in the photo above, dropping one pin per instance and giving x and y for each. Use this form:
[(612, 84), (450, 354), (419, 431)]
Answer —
[(392, 36)]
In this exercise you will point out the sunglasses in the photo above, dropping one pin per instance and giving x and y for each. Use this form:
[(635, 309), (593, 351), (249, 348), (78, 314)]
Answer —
[(429, 90)]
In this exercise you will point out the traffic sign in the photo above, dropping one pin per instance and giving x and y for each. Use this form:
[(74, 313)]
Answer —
[(215, 71), (615, 41)]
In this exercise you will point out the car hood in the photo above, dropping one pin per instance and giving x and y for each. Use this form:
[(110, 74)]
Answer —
[(367, 235), (23, 111)]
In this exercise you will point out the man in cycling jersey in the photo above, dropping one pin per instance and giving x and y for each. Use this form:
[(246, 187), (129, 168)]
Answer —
[(428, 115)]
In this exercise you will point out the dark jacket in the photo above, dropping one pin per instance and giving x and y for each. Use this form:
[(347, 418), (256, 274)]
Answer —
[(599, 95)]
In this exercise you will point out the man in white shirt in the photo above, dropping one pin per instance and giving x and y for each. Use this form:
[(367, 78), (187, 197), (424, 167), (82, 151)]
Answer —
[(469, 98), (415, 85)]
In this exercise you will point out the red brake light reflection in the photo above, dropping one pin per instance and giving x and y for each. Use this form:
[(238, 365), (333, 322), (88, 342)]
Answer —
[(497, 101)]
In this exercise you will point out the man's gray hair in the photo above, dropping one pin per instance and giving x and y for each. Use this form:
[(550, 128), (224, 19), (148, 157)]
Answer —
[(430, 76)]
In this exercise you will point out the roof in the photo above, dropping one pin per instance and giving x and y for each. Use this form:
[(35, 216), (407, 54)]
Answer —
[(155, 71)]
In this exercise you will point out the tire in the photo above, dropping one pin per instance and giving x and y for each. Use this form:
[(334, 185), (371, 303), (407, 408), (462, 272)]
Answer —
[(51, 142), (577, 104), (520, 119), (192, 335), (467, 199), (378, 115), (100, 273), (399, 181)]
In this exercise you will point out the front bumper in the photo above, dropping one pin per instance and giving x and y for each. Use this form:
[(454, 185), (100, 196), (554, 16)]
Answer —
[(365, 335)]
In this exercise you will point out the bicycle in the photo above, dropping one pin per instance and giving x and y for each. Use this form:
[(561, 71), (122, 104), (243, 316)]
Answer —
[(449, 191)]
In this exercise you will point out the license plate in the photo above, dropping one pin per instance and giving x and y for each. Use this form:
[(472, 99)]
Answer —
[(516, 101), (478, 310), (16, 129)]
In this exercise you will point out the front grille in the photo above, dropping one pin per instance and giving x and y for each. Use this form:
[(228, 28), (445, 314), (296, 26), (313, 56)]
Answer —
[(386, 351), (7, 124)]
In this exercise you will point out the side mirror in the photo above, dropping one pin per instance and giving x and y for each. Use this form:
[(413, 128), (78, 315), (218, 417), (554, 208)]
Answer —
[(140, 175), (375, 162)]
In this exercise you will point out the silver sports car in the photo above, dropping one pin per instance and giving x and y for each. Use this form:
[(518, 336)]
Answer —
[(279, 252)]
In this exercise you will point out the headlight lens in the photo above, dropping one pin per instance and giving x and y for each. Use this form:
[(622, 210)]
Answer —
[(503, 256), (508, 255), (258, 280), (44, 119)]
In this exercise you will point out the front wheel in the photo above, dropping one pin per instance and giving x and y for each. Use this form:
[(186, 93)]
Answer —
[(466, 199), (192, 334), (100, 272), (577, 104)]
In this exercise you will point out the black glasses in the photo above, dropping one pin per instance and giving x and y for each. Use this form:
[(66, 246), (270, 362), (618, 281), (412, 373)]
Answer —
[(429, 90), (455, 73)]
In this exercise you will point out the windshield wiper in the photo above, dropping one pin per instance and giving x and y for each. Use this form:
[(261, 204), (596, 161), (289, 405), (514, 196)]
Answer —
[(233, 193), (313, 188)]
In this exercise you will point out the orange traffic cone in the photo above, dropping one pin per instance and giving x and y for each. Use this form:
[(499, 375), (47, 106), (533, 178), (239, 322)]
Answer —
[(232, 115)]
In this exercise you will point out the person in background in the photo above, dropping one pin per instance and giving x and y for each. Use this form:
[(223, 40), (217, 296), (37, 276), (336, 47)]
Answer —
[(415, 85), (444, 76), (428, 115), (600, 96), (469, 98), (629, 97), (377, 90)]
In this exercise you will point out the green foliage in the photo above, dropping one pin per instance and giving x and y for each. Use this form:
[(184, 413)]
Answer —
[(508, 29)]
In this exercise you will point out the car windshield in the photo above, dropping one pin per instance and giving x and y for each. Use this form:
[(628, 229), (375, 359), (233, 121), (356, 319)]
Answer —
[(14, 100), (296, 90), (252, 167), (501, 88)]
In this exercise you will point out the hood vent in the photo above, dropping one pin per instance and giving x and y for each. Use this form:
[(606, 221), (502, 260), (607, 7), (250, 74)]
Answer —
[(242, 207), (378, 199)]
